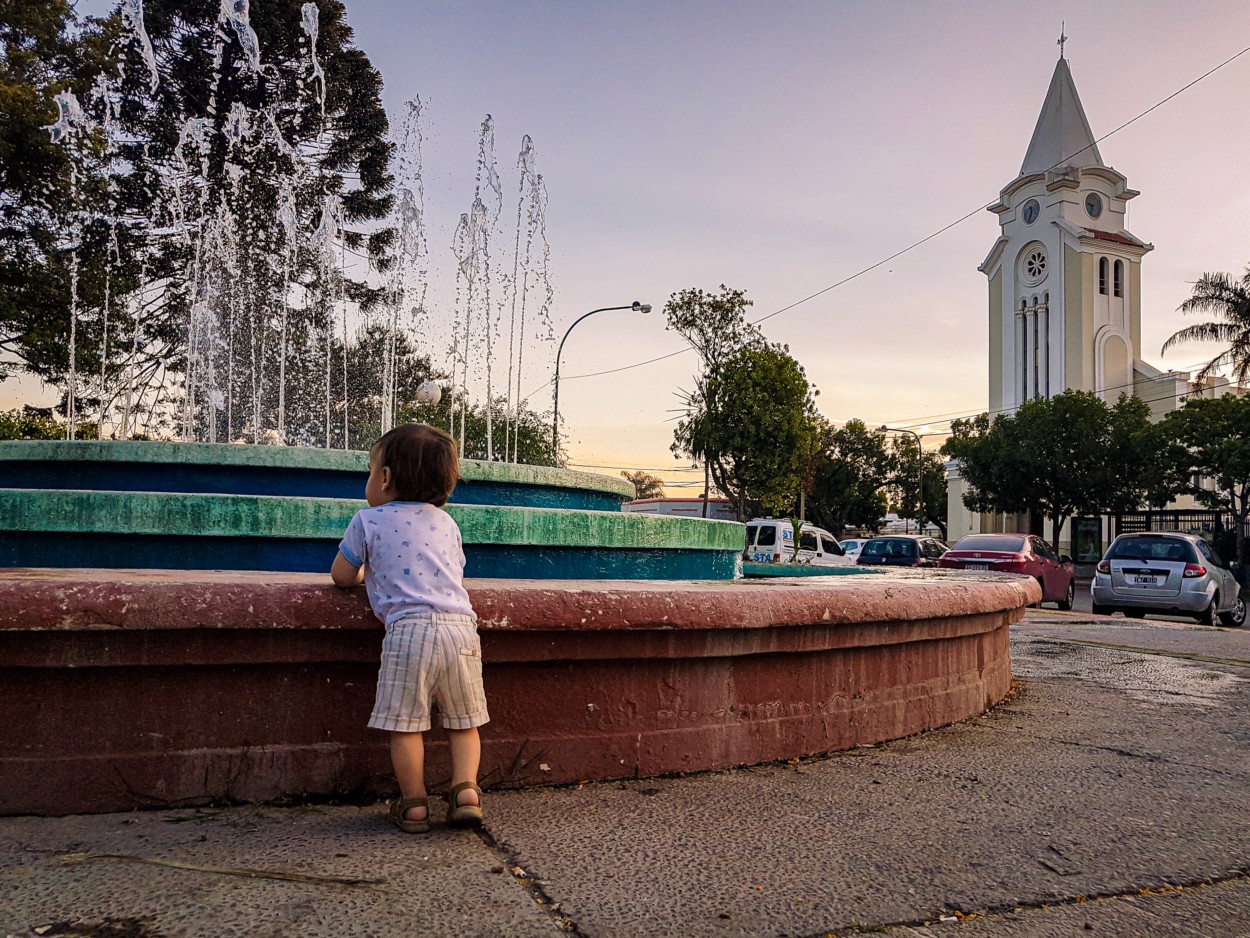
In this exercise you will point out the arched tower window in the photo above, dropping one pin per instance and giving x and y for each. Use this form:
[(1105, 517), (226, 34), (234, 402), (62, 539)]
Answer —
[(1118, 279), (1045, 299), (1102, 275)]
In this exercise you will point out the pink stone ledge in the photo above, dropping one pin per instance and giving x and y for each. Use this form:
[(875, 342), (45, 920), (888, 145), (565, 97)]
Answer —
[(130, 689), (37, 599)]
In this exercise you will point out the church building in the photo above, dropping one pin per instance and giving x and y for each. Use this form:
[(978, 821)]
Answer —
[(1064, 285)]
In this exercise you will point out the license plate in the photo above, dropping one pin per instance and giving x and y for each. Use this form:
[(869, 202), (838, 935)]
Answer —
[(1145, 580), (976, 566)]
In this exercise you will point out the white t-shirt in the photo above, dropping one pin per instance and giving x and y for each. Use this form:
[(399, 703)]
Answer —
[(413, 559)]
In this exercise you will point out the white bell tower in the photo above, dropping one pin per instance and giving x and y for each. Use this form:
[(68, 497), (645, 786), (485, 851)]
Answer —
[(1065, 273)]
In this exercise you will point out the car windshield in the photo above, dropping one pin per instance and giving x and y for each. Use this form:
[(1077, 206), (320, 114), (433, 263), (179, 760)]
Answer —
[(767, 536), (1152, 548), (889, 547), (990, 542)]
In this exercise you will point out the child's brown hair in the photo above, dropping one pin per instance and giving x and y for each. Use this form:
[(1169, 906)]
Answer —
[(423, 462)]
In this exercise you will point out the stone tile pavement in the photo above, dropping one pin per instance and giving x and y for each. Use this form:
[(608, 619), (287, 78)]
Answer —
[(1109, 796)]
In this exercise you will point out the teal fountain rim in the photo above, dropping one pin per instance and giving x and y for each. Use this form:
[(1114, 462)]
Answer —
[(248, 455), (262, 516)]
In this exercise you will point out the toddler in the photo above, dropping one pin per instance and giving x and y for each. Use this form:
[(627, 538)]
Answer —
[(407, 552)]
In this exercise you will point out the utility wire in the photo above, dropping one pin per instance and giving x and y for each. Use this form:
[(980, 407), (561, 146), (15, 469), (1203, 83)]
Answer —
[(914, 422), (915, 244)]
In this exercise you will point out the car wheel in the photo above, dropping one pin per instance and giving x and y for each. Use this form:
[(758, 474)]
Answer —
[(1135, 613), (1236, 616), (1207, 616), (1041, 586), (1102, 610), (1069, 598)]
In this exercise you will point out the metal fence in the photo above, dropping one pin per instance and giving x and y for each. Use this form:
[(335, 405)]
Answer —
[(1218, 527)]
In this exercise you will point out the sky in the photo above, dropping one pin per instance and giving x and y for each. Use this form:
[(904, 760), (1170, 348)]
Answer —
[(783, 147)]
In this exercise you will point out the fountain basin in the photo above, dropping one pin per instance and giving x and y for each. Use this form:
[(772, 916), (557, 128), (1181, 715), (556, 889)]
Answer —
[(136, 688), (202, 506), (290, 471)]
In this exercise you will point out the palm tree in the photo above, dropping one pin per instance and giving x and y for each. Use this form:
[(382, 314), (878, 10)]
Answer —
[(1229, 300)]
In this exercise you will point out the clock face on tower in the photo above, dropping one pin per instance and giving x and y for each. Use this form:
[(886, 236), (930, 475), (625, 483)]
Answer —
[(1031, 208), (1093, 204)]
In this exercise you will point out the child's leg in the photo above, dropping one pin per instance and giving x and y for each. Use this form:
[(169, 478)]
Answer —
[(408, 758), (466, 755)]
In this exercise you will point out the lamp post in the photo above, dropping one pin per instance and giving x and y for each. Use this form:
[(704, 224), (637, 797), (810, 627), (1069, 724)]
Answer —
[(555, 408), (920, 471)]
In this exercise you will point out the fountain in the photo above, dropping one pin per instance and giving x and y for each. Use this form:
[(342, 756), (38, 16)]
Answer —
[(168, 633)]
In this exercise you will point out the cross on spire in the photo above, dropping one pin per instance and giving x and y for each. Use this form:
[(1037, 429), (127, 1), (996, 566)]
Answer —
[(1062, 38)]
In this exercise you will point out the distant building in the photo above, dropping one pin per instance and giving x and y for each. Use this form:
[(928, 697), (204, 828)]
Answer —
[(1065, 273), (718, 509), (1065, 296)]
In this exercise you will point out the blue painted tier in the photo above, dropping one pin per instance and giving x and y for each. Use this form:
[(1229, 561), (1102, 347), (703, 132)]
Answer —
[(238, 469), (253, 512)]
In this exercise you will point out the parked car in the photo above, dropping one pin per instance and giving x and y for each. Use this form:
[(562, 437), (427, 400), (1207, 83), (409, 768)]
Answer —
[(1024, 554), (1167, 573), (852, 545), (771, 540), (901, 550)]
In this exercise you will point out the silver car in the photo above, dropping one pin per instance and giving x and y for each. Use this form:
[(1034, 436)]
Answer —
[(1167, 574)]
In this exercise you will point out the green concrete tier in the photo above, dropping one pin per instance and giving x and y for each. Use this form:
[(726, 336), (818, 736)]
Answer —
[(40, 527), (280, 470)]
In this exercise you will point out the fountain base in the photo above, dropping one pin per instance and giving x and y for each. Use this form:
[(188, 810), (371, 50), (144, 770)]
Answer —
[(146, 689)]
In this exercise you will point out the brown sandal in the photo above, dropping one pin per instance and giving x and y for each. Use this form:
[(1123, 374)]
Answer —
[(464, 815), (400, 806)]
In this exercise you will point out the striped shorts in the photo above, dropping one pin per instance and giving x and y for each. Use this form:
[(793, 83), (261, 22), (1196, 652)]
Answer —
[(430, 660)]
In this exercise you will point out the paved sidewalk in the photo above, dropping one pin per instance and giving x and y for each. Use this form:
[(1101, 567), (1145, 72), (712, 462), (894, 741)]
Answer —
[(1110, 797)]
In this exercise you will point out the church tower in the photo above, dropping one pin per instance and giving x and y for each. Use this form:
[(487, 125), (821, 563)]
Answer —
[(1065, 273)]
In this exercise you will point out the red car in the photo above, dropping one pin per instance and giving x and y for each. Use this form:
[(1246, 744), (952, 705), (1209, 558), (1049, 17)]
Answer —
[(1016, 553)]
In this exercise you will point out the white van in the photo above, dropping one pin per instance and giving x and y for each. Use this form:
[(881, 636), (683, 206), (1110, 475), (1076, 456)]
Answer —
[(771, 540)]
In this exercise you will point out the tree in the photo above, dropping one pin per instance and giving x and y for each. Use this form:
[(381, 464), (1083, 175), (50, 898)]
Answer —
[(42, 189), (533, 430), (645, 484), (1229, 301), (715, 325), (34, 423), (371, 343), (1060, 456), (752, 427), (1214, 436), (189, 238), (849, 482), (914, 471)]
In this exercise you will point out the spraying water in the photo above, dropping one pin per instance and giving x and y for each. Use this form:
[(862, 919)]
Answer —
[(268, 322)]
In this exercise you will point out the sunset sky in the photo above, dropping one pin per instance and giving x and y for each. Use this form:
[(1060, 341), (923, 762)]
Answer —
[(781, 148)]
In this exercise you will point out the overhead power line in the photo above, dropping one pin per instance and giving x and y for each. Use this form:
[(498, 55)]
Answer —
[(913, 423), (918, 243)]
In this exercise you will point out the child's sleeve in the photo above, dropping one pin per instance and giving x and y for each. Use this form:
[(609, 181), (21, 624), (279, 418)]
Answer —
[(354, 547)]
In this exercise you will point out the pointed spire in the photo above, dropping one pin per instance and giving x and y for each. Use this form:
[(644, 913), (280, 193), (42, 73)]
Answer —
[(1062, 136)]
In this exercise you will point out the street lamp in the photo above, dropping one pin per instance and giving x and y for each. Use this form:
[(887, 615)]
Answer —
[(555, 409), (920, 470)]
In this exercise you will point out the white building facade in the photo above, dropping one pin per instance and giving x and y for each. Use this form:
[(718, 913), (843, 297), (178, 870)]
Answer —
[(1065, 273), (1064, 285)]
